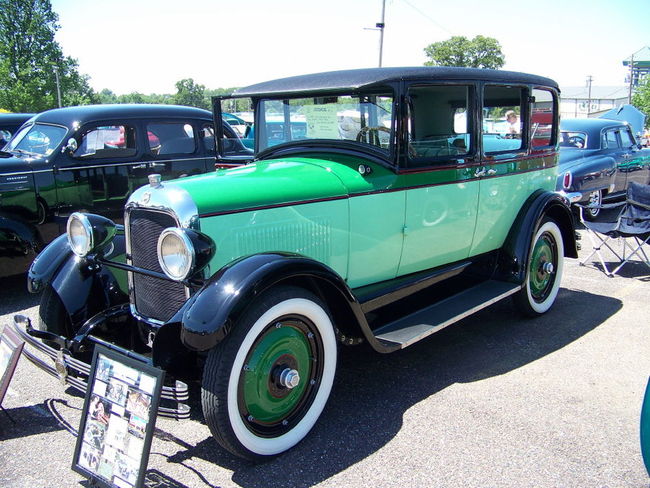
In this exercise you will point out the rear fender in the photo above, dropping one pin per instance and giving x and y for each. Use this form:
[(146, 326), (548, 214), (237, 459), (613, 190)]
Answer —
[(514, 254)]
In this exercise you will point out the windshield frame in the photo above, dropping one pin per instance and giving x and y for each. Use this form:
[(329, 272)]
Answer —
[(387, 155)]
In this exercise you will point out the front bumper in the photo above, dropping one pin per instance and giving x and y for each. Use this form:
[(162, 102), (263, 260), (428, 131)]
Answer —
[(71, 371)]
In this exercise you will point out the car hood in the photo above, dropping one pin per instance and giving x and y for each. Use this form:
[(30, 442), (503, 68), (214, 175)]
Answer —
[(20, 164), (266, 184), (574, 157)]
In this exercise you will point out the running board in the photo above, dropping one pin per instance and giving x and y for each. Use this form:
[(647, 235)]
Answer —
[(418, 325)]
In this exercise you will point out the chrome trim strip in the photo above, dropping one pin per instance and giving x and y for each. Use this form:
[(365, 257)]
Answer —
[(27, 172), (130, 163)]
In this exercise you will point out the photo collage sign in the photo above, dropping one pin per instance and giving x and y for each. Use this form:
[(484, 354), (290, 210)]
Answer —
[(118, 420)]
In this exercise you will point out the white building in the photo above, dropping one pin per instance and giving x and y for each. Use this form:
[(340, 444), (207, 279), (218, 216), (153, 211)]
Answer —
[(575, 101)]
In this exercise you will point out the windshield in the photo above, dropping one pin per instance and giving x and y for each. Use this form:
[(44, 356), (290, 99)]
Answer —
[(573, 140), (37, 140), (365, 119)]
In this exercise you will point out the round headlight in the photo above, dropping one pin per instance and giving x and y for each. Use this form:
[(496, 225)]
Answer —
[(175, 253), (80, 234)]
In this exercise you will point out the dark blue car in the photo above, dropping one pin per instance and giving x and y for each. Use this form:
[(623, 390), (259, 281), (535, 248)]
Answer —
[(598, 160)]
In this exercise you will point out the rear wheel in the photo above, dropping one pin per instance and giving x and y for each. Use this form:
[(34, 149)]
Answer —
[(267, 383), (595, 201), (543, 271)]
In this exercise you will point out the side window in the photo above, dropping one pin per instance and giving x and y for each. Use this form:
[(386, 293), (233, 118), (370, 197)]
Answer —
[(207, 136), (438, 124), (626, 139), (542, 118), (107, 141), (611, 141), (503, 124), (171, 138)]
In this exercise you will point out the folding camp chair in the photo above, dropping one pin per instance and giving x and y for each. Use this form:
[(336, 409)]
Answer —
[(633, 223)]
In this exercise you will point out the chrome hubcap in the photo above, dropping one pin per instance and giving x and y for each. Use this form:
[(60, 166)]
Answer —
[(289, 378), (548, 268)]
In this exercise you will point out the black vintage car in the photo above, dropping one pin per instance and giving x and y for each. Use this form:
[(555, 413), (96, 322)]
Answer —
[(92, 158), (599, 158), (9, 124)]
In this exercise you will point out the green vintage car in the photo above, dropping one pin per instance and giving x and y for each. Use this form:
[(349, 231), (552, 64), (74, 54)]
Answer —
[(393, 216)]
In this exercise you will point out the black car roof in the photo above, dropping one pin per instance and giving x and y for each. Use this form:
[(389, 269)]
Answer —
[(356, 79), (86, 113), (591, 127), (12, 119)]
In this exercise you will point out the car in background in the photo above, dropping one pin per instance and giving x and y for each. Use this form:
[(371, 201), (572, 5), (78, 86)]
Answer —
[(92, 158), (599, 158), (9, 124), (385, 232)]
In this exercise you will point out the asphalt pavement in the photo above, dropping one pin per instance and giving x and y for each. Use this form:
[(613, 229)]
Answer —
[(493, 401)]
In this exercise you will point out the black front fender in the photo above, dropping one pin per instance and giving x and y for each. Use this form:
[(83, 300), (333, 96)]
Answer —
[(514, 254), (206, 316), (84, 286)]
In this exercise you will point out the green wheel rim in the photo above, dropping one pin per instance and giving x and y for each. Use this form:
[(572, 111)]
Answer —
[(268, 406), (543, 265)]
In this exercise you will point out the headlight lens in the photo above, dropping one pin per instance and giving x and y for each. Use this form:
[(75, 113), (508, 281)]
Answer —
[(175, 253), (80, 234)]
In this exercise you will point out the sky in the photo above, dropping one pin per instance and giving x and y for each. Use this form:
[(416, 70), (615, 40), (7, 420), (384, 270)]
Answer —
[(147, 46)]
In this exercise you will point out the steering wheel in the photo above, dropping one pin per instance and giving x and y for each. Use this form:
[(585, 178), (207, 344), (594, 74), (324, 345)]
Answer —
[(577, 141), (371, 133)]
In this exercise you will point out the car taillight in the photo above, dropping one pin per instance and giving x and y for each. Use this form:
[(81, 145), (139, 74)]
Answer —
[(567, 180)]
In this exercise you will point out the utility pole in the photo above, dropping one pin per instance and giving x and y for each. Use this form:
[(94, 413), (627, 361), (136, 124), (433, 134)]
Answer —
[(589, 80), (58, 85), (381, 26), (629, 94)]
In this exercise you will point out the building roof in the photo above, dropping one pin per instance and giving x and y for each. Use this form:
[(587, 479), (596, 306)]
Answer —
[(641, 58), (597, 92), (355, 79)]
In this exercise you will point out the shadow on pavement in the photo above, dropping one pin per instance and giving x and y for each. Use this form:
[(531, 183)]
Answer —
[(14, 295), (31, 420), (373, 391)]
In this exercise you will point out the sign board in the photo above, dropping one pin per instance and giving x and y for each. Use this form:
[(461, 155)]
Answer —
[(117, 420), (11, 345)]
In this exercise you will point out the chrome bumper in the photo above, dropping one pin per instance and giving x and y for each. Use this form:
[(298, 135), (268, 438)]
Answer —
[(71, 371), (572, 197)]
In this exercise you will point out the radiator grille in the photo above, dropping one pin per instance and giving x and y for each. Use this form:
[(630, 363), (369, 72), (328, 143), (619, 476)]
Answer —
[(155, 298)]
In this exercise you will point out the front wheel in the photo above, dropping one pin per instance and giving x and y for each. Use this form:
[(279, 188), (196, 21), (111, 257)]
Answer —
[(543, 271), (267, 383)]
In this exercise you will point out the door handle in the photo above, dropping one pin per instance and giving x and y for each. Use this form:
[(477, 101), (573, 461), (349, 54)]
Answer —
[(139, 166), (491, 172), (156, 165), (479, 173)]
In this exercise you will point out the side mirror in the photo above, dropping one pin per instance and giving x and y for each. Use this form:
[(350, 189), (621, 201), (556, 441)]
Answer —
[(71, 146)]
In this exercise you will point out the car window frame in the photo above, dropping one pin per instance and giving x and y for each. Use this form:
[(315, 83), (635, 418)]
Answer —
[(410, 164), (197, 152), (89, 126), (524, 118)]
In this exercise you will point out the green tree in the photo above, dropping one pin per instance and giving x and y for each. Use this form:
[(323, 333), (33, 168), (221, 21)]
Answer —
[(191, 94), (480, 52), (641, 99), (30, 59)]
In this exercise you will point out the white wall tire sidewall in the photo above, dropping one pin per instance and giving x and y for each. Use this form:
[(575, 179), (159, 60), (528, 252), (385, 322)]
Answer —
[(542, 307), (271, 446)]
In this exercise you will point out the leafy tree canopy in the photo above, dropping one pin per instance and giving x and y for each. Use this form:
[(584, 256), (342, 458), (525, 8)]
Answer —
[(191, 94), (29, 58), (641, 99), (480, 52)]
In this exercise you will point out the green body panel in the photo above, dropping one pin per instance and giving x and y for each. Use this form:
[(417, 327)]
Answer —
[(368, 228), (317, 230)]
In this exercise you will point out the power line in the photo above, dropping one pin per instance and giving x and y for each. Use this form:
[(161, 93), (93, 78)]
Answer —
[(427, 17)]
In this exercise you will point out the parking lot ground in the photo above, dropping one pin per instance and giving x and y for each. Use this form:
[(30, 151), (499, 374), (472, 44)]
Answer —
[(494, 401)]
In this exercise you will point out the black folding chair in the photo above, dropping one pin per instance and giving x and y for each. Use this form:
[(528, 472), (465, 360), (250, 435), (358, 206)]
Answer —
[(632, 223)]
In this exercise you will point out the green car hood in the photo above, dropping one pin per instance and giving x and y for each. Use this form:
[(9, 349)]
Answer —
[(269, 183)]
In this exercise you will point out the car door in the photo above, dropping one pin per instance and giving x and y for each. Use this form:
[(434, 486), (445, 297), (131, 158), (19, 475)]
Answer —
[(173, 149), (635, 165), (95, 177), (612, 147), (440, 182)]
